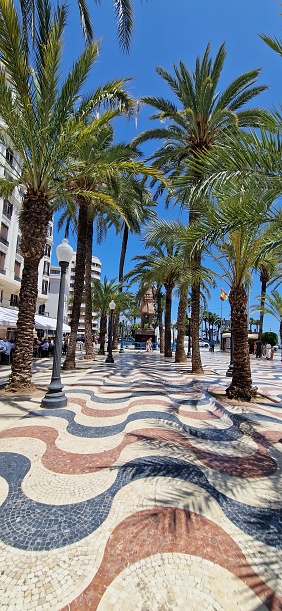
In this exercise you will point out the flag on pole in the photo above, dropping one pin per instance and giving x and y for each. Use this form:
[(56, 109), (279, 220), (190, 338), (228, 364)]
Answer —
[(223, 295)]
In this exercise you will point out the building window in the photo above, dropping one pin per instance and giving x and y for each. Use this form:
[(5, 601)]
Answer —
[(18, 247), (47, 252), (10, 156), (49, 231), (41, 309), (44, 287), (1, 295), (14, 301), (2, 262), (17, 271), (46, 268), (4, 234), (7, 209)]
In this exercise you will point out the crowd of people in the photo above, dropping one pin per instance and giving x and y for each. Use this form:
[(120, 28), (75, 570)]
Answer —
[(44, 347)]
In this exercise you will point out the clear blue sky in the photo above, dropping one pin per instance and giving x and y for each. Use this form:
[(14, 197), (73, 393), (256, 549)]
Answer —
[(164, 33)]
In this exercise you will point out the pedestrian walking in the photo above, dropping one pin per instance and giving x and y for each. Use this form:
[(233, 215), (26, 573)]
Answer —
[(149, 345), (258, 349)]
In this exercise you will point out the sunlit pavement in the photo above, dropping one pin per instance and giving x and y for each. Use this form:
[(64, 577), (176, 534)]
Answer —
[(145, 493)]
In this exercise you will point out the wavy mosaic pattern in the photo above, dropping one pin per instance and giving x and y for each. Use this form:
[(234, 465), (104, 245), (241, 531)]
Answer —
[(143, 493)]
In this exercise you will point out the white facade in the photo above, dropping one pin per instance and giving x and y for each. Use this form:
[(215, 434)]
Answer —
[(11, 260), (95, 273), (53, 296)]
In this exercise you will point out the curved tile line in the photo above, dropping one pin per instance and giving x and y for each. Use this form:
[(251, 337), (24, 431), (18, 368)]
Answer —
[(108, 413), (135, 394), (170, 530), (79, 430), (45, 486), (204, 399), (258, 464), (26, 524), (185, 417)]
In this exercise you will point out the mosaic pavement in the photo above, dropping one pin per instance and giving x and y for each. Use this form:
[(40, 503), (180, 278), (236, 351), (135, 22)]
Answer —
[(144, 493)]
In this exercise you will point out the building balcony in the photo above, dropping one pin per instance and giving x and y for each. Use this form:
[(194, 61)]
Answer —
[(17, 278), (3, 271), (4, 241)]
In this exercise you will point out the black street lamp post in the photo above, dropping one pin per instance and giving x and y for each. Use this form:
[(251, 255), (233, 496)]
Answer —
[(189, 336), (55, 396), (110, 358), (122, 334)]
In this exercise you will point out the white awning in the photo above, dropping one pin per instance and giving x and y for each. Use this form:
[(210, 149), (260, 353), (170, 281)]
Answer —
[(9, 317), (47, 323)]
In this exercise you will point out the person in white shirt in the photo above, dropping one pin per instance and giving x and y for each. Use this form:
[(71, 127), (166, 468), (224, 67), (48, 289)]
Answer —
[(3, 349)]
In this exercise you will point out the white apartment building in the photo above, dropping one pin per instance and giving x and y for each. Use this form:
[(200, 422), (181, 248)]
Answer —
[(11, 260), (95, 273), (53, 296)]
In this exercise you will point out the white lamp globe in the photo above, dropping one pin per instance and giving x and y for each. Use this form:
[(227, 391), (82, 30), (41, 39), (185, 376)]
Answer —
[(64, 252)]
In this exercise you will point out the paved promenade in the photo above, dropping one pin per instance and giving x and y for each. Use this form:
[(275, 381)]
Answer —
[(146, 493)]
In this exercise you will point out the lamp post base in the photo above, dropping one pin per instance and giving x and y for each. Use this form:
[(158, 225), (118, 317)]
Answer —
[(109, 359), (54, 400)]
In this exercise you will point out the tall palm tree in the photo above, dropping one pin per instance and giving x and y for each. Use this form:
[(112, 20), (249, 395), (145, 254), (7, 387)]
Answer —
[(240, 250), (40, 124), (196, 123), (104, 164), (159, 265), (137, 204)]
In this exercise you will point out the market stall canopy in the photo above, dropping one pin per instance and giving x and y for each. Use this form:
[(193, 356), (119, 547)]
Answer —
[(9, 317)]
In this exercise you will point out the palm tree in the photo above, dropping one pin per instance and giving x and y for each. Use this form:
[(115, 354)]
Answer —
[(123, 12), (40, 124), (137, 205), (273, 306), (104, 165), (159, 265), (196, 123), (240, 249), (102, 294)]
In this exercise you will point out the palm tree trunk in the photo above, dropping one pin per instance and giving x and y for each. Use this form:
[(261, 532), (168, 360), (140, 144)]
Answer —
[(168, 300), (264, 278), (103, 330), (241, 385), (78, 282), (180, 354), (89, 352), (160, 318), (195, 325), (120, 279), (34, 223), (123, 253)]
